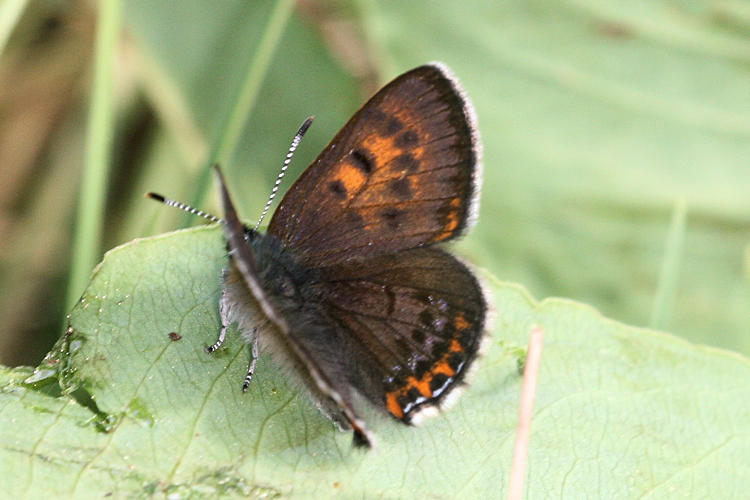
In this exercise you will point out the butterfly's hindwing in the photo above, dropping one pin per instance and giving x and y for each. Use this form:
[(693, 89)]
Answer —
[(418, 317)]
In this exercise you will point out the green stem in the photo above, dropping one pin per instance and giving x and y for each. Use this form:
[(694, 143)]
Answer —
[(670, 268), (92, 198), (237, 119)]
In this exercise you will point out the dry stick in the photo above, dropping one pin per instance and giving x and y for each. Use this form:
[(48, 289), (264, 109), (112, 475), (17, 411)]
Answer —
[(521, 448)]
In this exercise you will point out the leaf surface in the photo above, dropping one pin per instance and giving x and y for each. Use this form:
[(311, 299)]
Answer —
[(620, 412)]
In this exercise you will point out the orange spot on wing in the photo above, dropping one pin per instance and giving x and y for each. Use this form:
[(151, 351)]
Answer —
[(351, 177), (384, 151), (382, 148), (391, 402), (444, 368), (451, 220), (460, 323), (456, 346), (449, 228), (423, 385)]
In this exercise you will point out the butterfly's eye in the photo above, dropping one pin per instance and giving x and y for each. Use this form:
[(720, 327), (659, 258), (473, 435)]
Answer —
[(249, 234)]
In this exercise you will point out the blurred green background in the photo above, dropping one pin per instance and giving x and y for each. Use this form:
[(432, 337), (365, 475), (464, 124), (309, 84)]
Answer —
[(617, 138)]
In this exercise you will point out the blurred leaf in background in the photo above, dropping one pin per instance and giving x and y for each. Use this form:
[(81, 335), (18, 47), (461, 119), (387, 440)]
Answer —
[(596, 120)]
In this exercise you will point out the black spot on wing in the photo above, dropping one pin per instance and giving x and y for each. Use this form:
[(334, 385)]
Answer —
[(405, 161), (407, 139), (338, 189), (392, 126), (422, 367), (440, 348), (392, 216), (375, 115), (401, 188), (363, 160)]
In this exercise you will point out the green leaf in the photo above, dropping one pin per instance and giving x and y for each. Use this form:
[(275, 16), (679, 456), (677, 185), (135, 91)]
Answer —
[(620, 412)]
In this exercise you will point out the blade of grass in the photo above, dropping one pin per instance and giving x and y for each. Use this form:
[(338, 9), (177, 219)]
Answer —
[(91, 202), (235, 121), (670, 268), (10, 13), (525, 413)]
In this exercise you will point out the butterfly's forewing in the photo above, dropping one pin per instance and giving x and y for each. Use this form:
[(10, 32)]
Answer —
[(403, 172), (418, 317)]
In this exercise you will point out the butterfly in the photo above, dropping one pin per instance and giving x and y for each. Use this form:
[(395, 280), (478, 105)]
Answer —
[(350, 288)]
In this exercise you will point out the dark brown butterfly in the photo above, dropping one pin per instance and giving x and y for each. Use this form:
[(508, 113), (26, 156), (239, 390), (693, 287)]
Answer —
[(349, 288)]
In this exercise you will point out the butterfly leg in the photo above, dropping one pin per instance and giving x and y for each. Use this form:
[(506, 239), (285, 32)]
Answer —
[(219, 342), (253, 362), (224, 311)]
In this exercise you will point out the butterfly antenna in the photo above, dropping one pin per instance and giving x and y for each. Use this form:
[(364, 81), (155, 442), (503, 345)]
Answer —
[(182, 206), (284, 166)]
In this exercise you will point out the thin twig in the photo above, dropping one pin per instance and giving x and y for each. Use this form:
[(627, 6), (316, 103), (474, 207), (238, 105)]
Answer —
[(528, 391)]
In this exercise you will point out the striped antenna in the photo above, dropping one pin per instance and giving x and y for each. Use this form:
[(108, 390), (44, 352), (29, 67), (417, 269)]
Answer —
[(184, 207), (284, 166)]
